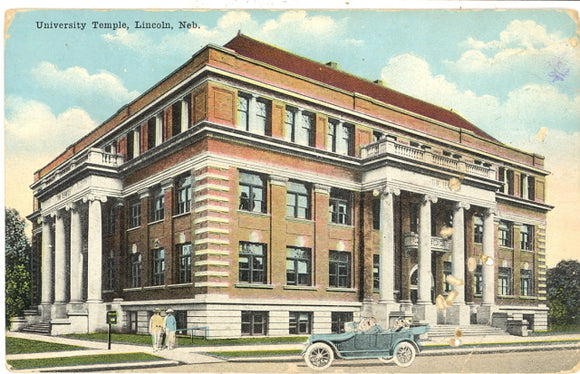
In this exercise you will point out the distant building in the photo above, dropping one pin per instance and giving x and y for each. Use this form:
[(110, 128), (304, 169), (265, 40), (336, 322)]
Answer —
[(257, 192)]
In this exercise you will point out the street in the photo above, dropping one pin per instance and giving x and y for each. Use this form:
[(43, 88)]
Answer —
[(554, 361)]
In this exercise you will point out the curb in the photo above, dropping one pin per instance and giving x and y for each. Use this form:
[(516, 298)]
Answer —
[(100, 367)]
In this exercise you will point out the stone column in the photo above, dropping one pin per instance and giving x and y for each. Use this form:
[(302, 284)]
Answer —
[(458, 314), (425, 309), (485, 310), (60, 267), (76, 259), (95, 305), (387, 303), (47, 265)]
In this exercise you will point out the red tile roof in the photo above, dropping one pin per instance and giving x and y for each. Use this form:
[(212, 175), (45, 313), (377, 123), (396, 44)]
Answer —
[(274, 56)]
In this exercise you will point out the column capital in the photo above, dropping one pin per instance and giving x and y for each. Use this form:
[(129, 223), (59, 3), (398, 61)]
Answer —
[(321, 188), (462, 205), (93, 197), (385, 190), (167, 183), (144, 193), (430, 198), (492, 211)]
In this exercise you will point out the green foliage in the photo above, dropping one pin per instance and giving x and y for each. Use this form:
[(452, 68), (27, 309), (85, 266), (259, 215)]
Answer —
[(81, 360), (19, 346), (563, 288), (18, 278)]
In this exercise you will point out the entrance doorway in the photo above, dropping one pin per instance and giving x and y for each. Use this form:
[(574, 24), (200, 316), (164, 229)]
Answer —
[(414, 285)]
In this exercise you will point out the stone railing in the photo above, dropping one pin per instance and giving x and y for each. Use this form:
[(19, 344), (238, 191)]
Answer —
[(438, 244), (389, 146)]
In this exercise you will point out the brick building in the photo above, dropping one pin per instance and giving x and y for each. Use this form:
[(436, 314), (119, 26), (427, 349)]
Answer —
[(257, 192)]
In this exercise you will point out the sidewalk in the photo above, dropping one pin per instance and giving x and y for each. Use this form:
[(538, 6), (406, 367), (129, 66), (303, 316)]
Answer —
[(198, 355)]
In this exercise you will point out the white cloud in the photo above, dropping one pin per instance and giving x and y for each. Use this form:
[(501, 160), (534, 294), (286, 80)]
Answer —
[(78, 81), (523, 45), (30, 122), (137, 41)]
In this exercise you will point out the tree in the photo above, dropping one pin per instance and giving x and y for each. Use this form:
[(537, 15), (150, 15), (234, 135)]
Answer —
[(17, 255), (563, 287)]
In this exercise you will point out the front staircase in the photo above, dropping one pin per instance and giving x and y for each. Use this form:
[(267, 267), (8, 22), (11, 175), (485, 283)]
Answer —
[(38, 328), (441, 331)]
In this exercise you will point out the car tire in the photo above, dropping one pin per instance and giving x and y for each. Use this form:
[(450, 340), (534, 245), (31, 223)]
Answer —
[(404, 354), (319, 356)]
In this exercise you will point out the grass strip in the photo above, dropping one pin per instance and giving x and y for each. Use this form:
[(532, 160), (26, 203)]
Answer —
[(187, 341), (19, 345), (492, 344), (256, 353), (82, 360)]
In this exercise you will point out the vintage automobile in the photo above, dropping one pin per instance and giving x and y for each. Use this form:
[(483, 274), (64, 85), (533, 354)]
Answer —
[(366, 340)]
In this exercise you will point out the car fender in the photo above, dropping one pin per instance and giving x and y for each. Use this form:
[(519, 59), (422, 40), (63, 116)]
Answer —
[(327, 342)]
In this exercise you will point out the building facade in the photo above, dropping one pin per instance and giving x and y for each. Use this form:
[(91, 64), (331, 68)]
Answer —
[(256, 192)]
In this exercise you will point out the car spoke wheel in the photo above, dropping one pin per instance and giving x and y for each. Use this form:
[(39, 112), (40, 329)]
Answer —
[(404, 354), (319, 356), (386, 360)]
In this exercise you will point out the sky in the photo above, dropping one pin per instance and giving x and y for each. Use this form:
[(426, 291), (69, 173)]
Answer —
[(514, 73)]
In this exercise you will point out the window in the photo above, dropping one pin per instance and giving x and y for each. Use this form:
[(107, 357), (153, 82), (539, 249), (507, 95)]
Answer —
[(300, 323), (243, 112), (478, 280), (376, 272), (531, 188), (154, 131), (339, 269), (136, 267), (290, 123), (112, 220), (158, 267), (477, 229), (298, 266), (504, 281), (345, 140), (510, 182), (110, 275), (414, 217), (505, 234), (184, 251), (376, 214), (252, 262), (132, 316), (133, 143), (183, 194), (526, 283), (331, 138), (340, 206), (255, 323), (135, 214), (446, 271), (305, 132), (377, 135), (252, 192), (527, 238), (338, 319), (298, 200), (157, 205), (180, 116), (261, 125)]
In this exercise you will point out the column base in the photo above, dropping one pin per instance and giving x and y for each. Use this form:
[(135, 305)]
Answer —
[(45, 311), (383, 313), (458, 315), (76, 307), (58, 310), (426, 313), (97, 316), (484, 314)]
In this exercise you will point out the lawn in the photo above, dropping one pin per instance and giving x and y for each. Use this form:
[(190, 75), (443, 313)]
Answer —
[(186, 340), (82, 360), (18, 345), (560, 329), (256, 353)]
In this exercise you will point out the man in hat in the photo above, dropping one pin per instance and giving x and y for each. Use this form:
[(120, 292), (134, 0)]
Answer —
[(156, 325), (170, 327)]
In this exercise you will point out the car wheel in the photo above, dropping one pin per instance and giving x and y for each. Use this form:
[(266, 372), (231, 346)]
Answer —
[(319, 356), (386, 360), (404, 354)]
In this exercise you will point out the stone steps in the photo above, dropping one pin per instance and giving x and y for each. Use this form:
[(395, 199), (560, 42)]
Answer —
[(38, 328), (468, 330)]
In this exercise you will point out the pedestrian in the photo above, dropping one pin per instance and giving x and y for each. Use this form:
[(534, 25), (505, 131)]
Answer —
[(156, 325), (170, 327)]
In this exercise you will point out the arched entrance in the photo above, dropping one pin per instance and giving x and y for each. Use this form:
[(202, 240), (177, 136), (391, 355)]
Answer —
[(414, 284)]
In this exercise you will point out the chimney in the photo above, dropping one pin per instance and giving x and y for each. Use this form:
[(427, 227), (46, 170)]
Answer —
[(380, 82), (332, 64)]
